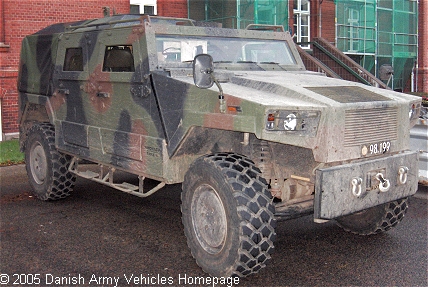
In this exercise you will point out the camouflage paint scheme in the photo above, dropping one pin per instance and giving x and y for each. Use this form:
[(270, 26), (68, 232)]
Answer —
[(155, 122)]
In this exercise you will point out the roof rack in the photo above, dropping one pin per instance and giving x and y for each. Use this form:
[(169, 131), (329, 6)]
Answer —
[(171, 20), (138, 20), (265, 27)]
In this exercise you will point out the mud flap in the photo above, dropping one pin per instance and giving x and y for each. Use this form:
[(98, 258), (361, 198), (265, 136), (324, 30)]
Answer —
[(349, 188)]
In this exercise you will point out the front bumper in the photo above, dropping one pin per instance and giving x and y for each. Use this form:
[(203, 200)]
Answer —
[(349, 188)]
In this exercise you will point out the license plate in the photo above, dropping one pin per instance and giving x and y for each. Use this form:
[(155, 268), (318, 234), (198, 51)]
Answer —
[(376, 148)]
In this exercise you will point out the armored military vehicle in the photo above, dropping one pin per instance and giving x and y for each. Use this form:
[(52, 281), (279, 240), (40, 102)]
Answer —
[(231, 114)]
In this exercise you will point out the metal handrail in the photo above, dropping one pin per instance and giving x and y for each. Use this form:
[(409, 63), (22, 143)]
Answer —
[(371, 80)]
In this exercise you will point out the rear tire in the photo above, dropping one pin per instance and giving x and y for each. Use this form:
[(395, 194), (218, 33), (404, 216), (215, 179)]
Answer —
[(376, 219), (228, 215), (47, 168)]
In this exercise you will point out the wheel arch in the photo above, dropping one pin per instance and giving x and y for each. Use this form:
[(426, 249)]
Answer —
[(33, 113), (202, 141)]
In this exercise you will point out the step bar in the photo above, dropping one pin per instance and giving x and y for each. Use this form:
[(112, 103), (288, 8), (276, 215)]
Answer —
[(107, 178)]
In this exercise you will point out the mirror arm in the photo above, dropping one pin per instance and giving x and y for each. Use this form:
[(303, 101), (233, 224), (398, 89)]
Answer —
[(220, 96)]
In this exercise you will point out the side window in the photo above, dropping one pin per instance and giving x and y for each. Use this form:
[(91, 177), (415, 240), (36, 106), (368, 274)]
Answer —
[(118, 59), (73, 59)]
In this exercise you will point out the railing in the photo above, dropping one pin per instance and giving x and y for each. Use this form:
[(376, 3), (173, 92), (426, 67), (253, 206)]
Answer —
[(313, 64), (343, 65)]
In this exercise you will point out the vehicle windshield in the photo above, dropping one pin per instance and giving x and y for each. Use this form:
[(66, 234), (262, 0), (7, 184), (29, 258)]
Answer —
[(178, 49)]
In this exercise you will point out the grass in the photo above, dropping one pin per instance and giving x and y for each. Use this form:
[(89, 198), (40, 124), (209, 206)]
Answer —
[(9, 153)]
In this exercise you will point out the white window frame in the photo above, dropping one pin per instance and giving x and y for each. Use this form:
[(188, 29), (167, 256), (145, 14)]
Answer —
[(143, 3), (300, 13), (353, 22)]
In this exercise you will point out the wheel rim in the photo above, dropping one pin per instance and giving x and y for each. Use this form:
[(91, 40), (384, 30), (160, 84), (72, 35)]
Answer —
[(209, 219), (38, 163)]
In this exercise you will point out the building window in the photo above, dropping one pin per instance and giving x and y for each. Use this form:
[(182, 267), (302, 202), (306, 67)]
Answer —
[(149, 10), (301, 13), (134, 9), (353, 33), (147, 7)]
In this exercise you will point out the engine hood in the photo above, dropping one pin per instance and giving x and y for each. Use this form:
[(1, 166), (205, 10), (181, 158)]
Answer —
[(340, 117), (304, 88)]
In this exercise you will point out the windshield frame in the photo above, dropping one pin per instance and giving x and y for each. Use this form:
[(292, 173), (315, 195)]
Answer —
[(209, 33), (179, 49)]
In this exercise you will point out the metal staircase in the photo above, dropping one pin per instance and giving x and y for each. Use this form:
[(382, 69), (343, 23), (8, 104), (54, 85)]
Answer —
[(334, 63), (313, 64)]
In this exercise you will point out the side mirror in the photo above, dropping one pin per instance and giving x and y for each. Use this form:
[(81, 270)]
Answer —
[(202, 70)]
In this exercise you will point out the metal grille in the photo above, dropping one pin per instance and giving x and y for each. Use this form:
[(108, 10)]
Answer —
[(370, 126)]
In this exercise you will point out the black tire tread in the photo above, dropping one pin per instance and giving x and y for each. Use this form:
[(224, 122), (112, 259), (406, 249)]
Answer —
[(62, 182), (390, 214), (255, 209)]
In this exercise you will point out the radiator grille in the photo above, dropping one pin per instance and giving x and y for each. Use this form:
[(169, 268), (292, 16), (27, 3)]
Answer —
[(370, 126)]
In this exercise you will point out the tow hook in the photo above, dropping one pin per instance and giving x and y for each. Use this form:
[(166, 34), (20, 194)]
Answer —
[(384, 184), (356, 186), (403, 174)]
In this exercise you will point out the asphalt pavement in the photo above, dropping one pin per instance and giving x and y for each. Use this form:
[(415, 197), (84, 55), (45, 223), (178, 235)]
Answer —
[(103, 237)]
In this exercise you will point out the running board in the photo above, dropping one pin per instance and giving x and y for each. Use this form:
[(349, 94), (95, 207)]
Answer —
[(294, 208), (108, 179)]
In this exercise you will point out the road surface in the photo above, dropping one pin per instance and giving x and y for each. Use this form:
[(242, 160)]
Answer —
[(103, 237)]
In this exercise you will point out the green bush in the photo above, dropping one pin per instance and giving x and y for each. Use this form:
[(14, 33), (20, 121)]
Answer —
[(9, 153)]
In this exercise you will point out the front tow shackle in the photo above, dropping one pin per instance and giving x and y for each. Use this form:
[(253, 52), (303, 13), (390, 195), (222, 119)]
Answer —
[(384, 184), (402, 172)]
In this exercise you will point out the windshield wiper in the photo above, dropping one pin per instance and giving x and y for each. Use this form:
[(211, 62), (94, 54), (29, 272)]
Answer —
[(251, 62), (273, 63)]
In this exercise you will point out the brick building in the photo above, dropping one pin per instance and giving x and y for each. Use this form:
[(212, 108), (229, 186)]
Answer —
[(305, 19), (422, 72)]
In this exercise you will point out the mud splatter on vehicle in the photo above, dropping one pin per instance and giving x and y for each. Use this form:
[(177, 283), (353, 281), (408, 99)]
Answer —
[(233, 115)]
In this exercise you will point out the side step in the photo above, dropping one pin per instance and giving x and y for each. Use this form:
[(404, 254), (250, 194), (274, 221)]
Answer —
[(108, 179)]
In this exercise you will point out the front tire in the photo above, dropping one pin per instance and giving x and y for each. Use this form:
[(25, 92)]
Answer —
[(228, 215), (47, 168), (376, 219)]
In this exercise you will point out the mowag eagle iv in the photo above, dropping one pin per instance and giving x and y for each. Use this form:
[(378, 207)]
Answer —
[(232, 114)]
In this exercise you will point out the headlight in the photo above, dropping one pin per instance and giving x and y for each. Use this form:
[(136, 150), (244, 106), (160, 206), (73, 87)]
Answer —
[(302, 122), (414, 111), (290, 122)]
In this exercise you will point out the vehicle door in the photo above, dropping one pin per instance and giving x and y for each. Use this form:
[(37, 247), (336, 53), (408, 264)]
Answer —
[(69, 98), (124, 114)]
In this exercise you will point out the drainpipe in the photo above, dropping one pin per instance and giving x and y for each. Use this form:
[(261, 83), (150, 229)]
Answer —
[(417, 52), (206, 10), (188, 9), (3, 30), (256, 11), (238, 14), (417, 77), (320, 20)]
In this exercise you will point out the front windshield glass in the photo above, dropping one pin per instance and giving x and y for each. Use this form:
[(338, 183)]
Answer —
[(178, 49)]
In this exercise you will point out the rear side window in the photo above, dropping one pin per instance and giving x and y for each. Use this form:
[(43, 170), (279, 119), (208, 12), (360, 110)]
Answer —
[(118, 59), (73, 59)]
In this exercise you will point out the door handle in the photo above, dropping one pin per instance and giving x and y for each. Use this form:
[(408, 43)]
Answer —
[(103, 95), (64, 91)]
